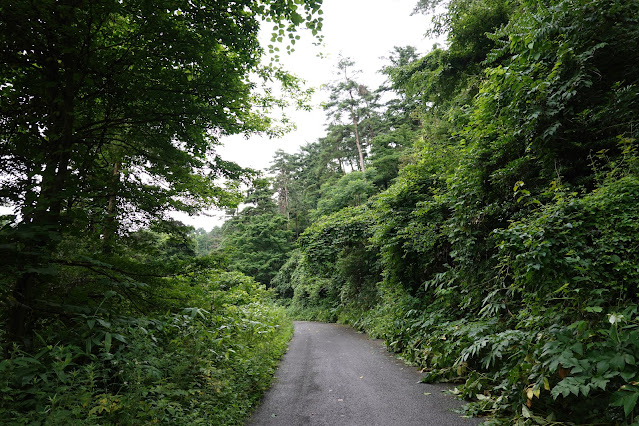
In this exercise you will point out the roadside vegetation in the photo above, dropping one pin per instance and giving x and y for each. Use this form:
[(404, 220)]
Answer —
[(479, 211)]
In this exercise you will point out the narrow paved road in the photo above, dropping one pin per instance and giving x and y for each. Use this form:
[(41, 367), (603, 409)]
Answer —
[(334, 376)]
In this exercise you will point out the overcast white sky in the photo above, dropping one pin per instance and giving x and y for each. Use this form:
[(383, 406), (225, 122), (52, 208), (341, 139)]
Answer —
[(365, 31)]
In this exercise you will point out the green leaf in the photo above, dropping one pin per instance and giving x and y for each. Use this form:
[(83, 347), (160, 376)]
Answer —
[(107, 342), (296, 18), (626, 399), (602, 367), (567, 386)]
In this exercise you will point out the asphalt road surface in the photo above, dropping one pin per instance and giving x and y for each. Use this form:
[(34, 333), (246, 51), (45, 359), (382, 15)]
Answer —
[(332, 375)]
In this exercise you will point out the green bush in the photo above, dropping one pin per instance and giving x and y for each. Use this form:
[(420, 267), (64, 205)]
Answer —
[(201, 365)]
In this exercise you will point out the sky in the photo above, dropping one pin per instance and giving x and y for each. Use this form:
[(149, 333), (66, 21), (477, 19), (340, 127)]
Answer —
[(365, 31)]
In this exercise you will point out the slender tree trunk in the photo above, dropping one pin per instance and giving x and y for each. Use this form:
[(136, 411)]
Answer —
[(283, 202), (18, 321), (341, 164), (362, 167), (358, 143), (110, 226)]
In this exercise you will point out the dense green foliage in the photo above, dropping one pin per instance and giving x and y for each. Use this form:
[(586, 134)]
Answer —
[(110, 114), (257, 240), (478, 211), (502, 254), (203, 364)]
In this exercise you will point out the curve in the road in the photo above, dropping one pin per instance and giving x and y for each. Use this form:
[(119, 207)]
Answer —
[(332, 375)]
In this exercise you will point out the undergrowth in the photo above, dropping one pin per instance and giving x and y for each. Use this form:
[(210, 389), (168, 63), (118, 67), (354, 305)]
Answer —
[(201, 365)]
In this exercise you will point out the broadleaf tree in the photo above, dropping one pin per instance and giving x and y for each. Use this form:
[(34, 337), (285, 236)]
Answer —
[(110, 112)]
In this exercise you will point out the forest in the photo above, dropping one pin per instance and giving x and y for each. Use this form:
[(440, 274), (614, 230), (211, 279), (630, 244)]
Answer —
[(477, 211)]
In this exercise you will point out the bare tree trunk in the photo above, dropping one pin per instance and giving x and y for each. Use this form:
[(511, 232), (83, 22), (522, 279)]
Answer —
[(283, 201), (358, 144)]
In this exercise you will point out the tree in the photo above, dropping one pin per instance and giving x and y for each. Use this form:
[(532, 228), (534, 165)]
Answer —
[(257, 241), (299, 178), (350, 104), (399, 121), (206, 242), (352, 189), (110, 112)]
